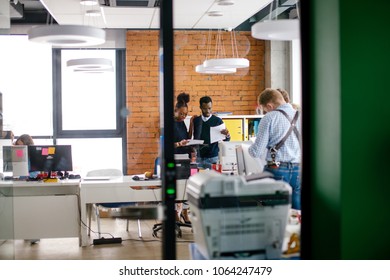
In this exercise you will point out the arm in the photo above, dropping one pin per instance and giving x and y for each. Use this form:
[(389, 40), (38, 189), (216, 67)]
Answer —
[(181, 143), (258, 148), (191, 128)]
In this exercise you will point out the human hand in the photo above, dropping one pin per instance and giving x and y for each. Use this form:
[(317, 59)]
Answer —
[(225, 132), (182, 143)]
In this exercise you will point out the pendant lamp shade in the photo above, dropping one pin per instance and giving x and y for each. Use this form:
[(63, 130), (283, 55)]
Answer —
[(218, 60), (67, 35), (204, 70), (89, 64), (223, 63), (281, 29)]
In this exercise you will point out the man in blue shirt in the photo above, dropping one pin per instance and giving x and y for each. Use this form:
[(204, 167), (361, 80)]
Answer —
[(279, 141)]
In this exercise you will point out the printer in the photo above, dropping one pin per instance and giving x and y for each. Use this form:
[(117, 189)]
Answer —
[(238, 217)]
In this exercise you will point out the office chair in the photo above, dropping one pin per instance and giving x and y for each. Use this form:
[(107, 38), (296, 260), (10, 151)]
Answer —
[(111, 173), (158, 226)]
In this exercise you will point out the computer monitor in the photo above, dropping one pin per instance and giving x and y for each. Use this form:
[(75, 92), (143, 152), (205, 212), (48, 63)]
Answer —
[(15, 160), (50, 158), (246, 164), (227, 154)]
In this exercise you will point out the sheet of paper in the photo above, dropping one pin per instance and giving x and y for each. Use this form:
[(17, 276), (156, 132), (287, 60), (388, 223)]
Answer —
[(194, 142), (215, 133)]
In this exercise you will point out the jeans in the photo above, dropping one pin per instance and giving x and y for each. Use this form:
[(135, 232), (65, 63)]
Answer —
[(291, 175), (206, 162)]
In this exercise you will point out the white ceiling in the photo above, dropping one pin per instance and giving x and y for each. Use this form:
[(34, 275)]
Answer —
[(187, 14)]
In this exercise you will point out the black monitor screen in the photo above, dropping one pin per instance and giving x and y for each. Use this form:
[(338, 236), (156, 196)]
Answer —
[(50, 158)]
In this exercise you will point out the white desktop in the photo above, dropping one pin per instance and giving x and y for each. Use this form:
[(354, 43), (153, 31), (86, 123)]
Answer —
[(227, 155), (246, 164), (3, 142), (15, 161)]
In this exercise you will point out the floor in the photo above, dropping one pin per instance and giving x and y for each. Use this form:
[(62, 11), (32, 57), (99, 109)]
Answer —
[(131, 248)]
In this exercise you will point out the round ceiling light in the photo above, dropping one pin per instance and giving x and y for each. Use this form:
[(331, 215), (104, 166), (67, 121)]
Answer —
[(89, 64), (100, 71), (93, 13), (67, 35), (279, 30), (203, 70), (225, 2), (215, 14), (226, 63), (88, 2)]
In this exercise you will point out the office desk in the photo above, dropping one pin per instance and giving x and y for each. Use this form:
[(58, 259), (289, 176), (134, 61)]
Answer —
[(42, 210), (118, 189)]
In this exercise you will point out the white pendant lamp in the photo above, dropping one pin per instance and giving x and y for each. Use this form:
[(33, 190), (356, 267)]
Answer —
[(67, 35), (221, 63), (226, 63), (278, 29), (89, 64), (204, 70)]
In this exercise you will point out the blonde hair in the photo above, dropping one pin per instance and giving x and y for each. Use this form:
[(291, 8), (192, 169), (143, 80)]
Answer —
[(285, 94), (270, 95)]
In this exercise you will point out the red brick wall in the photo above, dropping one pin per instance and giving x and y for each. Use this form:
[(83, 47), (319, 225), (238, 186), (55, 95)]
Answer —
[(235, 93)]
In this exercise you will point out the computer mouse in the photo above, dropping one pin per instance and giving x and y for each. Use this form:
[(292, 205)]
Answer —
[(135, 178)]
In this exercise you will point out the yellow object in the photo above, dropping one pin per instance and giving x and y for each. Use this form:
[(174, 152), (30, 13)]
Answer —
[(294, 245), (148, 175), (235, 129), (51, 180)]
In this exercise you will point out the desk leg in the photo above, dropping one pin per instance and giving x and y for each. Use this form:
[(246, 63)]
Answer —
[(83, 228)]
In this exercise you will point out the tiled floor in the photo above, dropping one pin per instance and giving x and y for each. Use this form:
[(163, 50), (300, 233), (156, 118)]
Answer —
[(131, 248)]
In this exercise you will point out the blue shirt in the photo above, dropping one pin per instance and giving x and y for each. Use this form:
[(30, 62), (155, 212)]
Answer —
[(272, 128)]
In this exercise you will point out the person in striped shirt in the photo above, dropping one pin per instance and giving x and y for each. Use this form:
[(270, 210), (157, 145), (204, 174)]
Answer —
[(284, 163)]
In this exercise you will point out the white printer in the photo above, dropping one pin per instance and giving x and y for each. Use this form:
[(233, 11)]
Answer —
[(238, 217)]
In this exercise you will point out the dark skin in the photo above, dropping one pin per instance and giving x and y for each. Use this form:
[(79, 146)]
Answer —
[(207, 110)]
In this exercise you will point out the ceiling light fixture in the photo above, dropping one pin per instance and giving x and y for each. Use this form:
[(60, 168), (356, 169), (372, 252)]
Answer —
[(221, 61), (88, 2), (278, 29), (67, 35), (204, 70), (215, 14), (225, 2), (101, 71), (89, 64), (93, 13)]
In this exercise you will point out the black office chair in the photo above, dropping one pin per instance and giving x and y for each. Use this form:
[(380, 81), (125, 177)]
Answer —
[(159, 226)]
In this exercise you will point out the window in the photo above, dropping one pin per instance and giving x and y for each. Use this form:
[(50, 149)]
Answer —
[(88, 100), (26, 86), (55, 105), (88, 107)]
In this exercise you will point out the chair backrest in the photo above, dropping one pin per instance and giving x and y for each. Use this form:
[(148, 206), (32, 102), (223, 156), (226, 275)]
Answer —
[(246, 164), (104, 172)]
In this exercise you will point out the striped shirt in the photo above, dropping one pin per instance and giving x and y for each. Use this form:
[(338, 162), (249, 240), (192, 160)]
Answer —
[(272, 128)]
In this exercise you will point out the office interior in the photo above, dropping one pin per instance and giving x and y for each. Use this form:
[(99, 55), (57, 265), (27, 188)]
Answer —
[(344, 207)]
